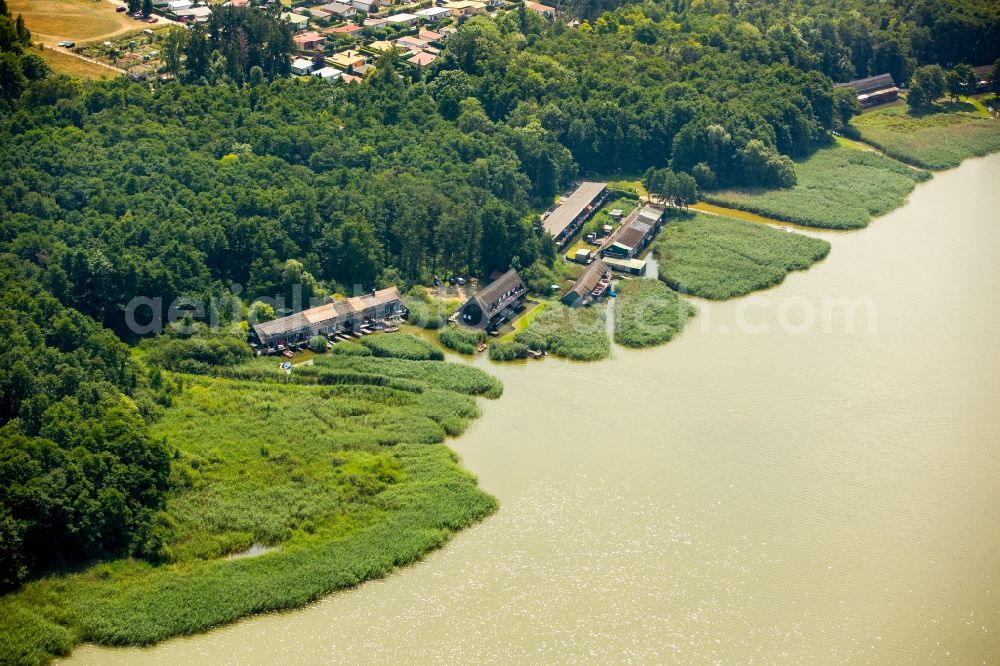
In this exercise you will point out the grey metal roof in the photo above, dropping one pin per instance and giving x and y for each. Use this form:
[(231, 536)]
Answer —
[(571, 208)]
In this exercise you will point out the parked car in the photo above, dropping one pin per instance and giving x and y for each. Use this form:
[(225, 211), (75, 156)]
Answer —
[(138, 16), (121, 8), (66, 44), (152, 19)]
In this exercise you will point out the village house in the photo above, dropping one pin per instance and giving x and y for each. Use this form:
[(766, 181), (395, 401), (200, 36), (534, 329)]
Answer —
[(434, 14), (339, 10), (347, 60), (297, 21), (421, 59), (174, 5), (635, 234), (366, 6), (430, 36), (328, 73), (574, 210), (403, 20), (411, 43), (490, 307), (463, 8), (873, 90), (375, 23), (544, 10), (194, 14), (592, 285), (309, 40), (348, 29), (381, 46), (302, 66), (331, 318)]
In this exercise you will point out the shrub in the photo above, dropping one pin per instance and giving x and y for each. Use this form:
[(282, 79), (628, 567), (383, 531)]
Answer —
[(508, 351), (462, 340), (317, 343), (402, 345)]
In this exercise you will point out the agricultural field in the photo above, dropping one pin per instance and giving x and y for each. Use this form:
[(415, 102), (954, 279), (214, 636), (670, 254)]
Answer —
[(718, 258), (938, 140), (64, 63), (52, 21), (579, 334), (648, 313), (283, 489), (840, 187)]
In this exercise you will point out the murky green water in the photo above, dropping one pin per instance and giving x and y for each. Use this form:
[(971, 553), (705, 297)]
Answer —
[(783, 494)]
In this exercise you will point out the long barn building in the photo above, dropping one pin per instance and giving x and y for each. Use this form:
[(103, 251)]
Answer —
[(574, 210)]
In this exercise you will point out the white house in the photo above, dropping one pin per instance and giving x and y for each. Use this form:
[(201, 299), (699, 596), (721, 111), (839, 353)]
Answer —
[(298, 21), (434, 14), (328, 73), (174, 5), (302, 66), (194, 14), (402, 19), (366, 6)]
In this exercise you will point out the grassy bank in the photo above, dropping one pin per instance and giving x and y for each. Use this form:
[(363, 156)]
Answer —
[(648, 313), (575, 333), (936, 140), (838, 188), (717, 257), (345, 481)]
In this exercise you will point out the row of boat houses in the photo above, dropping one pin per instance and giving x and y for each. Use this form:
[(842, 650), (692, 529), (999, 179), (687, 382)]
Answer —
[(377, 309)]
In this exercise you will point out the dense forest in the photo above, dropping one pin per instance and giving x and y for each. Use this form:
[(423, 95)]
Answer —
[(232, 182)]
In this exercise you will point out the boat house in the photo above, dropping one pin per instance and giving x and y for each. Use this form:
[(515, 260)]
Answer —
[(873, 90), (635, 234), (491, 306), (576, 209), (331, 318), (592, 285)]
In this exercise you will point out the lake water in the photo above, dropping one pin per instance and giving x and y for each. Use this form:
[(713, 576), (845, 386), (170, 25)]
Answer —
[(757, 491)]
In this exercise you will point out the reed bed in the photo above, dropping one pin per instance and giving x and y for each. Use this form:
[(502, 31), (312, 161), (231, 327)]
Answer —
[(462, 340), (936, 140), (648, 313), (345, 481), (718, 258), (837, 188), (402, 345)]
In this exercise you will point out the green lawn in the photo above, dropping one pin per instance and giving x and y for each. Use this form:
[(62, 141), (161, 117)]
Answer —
[(717, 257), (344, 476), (648, 313), (937, 140), (838, 188)]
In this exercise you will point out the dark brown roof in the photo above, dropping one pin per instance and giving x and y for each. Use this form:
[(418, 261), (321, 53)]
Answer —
[(636, 226), (589, 278), (490, 295), (870, 84)]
